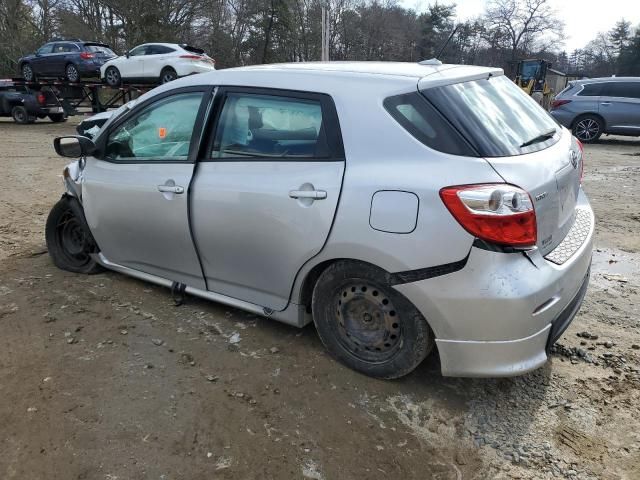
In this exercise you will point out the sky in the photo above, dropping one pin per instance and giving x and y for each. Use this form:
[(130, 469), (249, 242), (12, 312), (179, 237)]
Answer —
[(583, 18)]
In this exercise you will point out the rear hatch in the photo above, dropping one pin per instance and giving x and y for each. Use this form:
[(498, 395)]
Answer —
[(522, 143), (100, 51), (198, 54)]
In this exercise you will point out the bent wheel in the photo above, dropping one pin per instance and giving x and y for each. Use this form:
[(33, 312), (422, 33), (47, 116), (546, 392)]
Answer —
[(69, 240), (366, 324)]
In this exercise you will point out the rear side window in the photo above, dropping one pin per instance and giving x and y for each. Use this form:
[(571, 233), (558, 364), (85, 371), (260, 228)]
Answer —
[(622, 89), (254, 125), (159, 50), (591, 90), (495, 116), (424, 122)]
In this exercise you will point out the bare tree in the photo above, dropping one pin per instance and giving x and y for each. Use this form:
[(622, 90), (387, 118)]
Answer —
[(522, 23)]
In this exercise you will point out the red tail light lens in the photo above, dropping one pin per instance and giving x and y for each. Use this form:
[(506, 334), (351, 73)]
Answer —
[(86, 55), (498, 213), (192, 57), (41, 99), (558, 103), (581, 159)]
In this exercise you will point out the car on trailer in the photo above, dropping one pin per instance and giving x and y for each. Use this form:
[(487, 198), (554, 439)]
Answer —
[(156, 63), (69, 59), (397, 206), (26, 105)]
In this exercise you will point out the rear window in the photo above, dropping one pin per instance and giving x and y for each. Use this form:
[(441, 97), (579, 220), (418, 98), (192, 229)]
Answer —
[(422, 120), (495, 116), (591, 90), (99, 49)]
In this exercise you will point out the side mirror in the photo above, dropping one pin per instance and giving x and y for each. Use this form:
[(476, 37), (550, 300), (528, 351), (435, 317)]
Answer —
[(127, 54), (74, 146)]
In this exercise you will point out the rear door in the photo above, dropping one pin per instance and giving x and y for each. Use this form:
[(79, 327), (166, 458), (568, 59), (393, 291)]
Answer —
[(266, 191), (620, 106), (522, 142), (156, 59), (135, 195)]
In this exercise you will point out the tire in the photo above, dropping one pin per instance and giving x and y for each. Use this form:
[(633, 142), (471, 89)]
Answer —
[(588, 128), (72, 73), (112, 77), (21, 115), (57, 117), (366, 324), (27, 73), (167, 75), (69, 239)]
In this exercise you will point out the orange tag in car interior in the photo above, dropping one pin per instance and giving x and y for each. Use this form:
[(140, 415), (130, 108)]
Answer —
[(162, 132)]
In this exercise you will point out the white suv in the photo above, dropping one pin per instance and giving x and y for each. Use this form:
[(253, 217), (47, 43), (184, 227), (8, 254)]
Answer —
[(156, 62)]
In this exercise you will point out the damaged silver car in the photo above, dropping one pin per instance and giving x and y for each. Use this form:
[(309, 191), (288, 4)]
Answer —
[(397, 206)]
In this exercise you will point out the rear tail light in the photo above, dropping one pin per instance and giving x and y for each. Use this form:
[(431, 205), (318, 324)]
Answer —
[(559, 103), (41, 99), (498, 213), (192, 57), (86, 55)]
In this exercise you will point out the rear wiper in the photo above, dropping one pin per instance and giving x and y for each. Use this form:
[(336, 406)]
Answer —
[(540, 138)]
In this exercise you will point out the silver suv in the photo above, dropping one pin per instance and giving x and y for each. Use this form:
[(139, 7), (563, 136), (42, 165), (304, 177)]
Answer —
[(397, 206), (595, 106)]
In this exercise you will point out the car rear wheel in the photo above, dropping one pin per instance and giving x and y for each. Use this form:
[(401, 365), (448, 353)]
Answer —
[(69, 240), (27, 73), (21, 115), (72, 73), (588, 128), (366, 324), (112, 77), (57, 117), (167, 75)]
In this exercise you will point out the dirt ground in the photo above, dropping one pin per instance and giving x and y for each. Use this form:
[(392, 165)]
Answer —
[(101, 377)]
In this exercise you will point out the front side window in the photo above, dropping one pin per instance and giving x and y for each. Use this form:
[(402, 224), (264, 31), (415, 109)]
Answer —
[(142, 50), (253, 125), (623, 89), (496, 116), (48, 48), (161, 132)]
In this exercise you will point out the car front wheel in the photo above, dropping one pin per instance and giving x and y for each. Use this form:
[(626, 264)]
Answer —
[(112, 77), (69, 240), (366, 324), (72, 73), (588, 128)]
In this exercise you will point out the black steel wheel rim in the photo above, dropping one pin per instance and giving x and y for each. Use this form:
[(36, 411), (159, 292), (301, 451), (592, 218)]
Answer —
[(72, 240), (72, 73), (587, 129), (368, 324)]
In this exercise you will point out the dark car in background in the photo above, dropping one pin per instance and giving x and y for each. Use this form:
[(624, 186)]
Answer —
[(69, 59), (25, 106), (591, 107)]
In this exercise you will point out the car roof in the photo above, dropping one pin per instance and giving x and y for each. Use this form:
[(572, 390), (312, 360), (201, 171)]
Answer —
[(608, 79), (338, 78)]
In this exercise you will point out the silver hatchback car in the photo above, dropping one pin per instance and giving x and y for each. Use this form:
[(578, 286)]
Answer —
[(397, 206), (597, 106)]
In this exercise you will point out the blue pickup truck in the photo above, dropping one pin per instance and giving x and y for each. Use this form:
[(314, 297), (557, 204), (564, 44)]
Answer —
[(26, 105)]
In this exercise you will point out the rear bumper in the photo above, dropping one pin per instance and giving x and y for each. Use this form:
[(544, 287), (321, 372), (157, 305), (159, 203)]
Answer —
[(190, 68), (499, 314)]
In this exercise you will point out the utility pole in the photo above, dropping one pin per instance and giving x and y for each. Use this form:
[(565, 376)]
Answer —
[(324, 55)]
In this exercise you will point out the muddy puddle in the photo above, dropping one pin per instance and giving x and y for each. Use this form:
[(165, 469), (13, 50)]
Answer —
[(610, 266)]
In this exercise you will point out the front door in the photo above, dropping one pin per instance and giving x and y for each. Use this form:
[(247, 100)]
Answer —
[(133, 67), (135, 195), (620, 106), (266, 191)]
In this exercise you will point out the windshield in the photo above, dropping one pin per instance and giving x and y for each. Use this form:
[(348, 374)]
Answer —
[(496, 116)]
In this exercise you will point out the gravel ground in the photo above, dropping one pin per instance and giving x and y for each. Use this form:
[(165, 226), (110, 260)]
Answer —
[(101, 377)]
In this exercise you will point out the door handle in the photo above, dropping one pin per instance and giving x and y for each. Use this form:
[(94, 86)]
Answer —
[(171, 189), (605, 104), (312, 194)]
